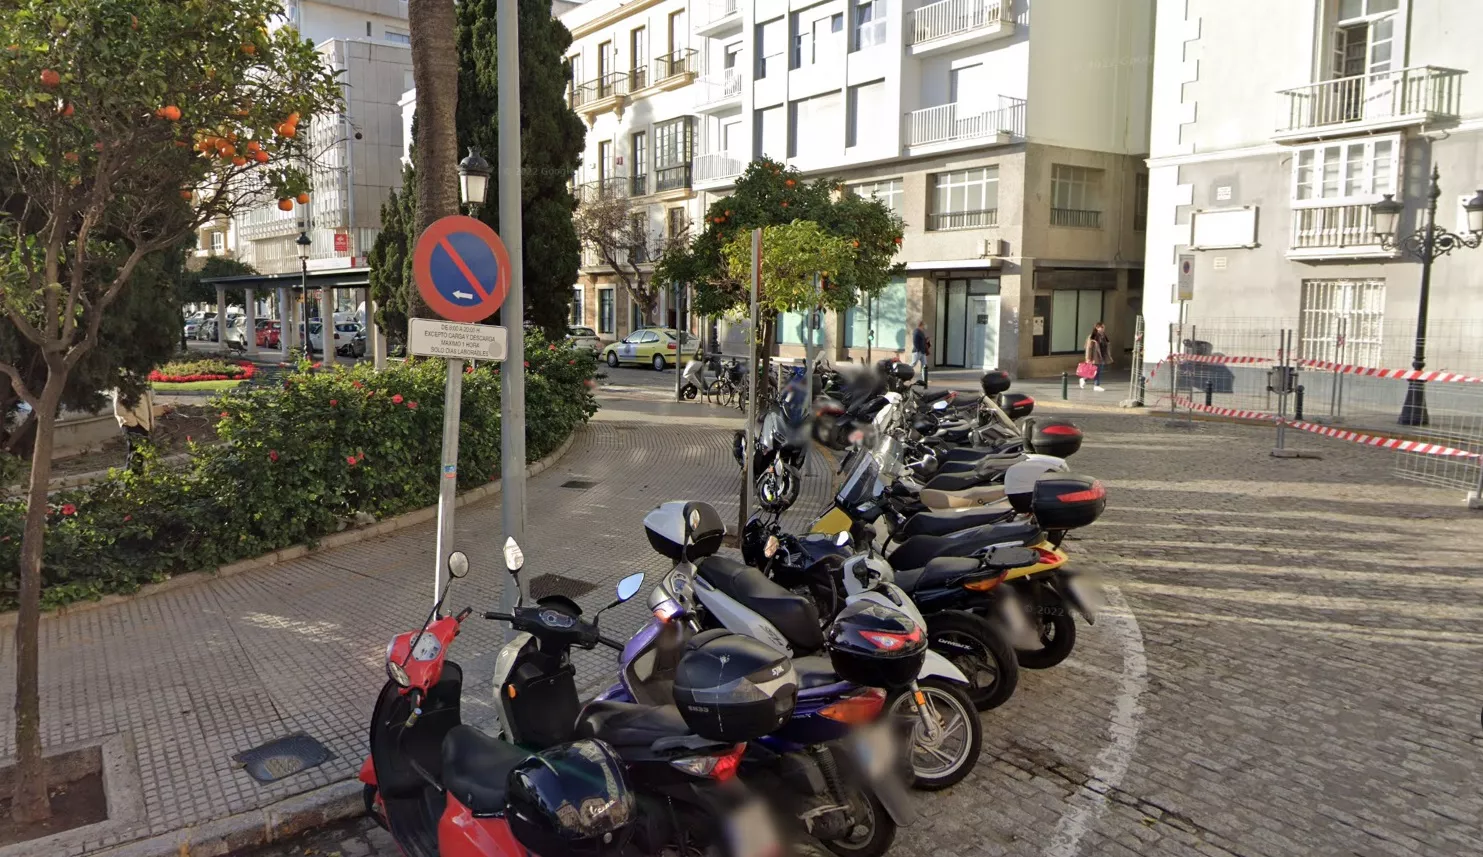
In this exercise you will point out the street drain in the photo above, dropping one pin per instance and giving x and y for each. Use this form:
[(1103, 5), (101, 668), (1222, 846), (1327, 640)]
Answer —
[(578, 483), (558, 584), (283, 757)]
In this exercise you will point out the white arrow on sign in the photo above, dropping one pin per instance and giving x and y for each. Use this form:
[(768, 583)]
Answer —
[(463, 296)]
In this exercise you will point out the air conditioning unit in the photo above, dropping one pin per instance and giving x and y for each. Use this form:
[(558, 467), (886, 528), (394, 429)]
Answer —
[(993, 248)]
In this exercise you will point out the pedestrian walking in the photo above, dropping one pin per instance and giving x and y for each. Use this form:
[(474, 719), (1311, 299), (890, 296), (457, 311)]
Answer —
[(1098, 354), (921, 346), (136, 422)]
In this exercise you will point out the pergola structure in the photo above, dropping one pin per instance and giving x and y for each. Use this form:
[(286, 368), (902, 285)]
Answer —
[(291, 290)]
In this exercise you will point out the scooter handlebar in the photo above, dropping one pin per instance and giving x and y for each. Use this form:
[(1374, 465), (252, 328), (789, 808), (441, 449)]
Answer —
[(502, 617), (610, 642)]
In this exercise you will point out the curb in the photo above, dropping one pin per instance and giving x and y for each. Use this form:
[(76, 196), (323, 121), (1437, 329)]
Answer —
[(333, 540)]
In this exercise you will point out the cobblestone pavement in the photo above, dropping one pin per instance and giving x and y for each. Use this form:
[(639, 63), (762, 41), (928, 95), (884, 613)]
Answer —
[(1287, 666)]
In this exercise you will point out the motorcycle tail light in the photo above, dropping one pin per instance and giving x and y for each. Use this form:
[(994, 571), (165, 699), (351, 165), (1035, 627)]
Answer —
[(1050, 557), (985, 584), (719, 768), (1096, 492), (862, 707), (891, 642)]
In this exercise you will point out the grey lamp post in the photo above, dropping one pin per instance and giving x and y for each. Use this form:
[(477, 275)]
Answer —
[(473, 180), (303, 242), (1428, 243)]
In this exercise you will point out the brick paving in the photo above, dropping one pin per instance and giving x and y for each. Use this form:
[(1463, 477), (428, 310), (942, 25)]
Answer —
[(1288, 666)]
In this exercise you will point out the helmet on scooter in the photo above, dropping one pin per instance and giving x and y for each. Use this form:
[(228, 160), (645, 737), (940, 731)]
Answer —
[(572, 799), (777, 488)]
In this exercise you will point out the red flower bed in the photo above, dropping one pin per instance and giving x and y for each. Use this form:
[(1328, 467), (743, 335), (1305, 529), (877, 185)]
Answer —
[(205, 370)]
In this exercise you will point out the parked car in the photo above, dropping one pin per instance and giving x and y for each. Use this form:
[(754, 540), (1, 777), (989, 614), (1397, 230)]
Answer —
[(345, 335), (583, 337), (193, 324), (358, 342), (658, 347), (342, 335), (269, 333)]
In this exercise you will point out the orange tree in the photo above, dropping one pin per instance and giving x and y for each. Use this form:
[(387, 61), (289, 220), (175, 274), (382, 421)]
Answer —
[(127, 124)]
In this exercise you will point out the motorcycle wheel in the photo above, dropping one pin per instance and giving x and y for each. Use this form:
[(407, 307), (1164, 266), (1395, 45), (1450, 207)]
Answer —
[(688, 391), (952, 757), (1057, 630), (873, 833), (978, 649)]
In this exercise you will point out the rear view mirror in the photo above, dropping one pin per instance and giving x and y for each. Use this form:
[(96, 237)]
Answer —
[(939, 406), (630, 586), (458, 564), (514, 557)]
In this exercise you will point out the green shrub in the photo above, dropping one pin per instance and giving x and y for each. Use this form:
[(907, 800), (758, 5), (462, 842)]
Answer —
[(294, 464)]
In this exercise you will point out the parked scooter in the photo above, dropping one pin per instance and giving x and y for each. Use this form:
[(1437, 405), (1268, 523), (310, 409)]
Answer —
[(878, 641), (693, 382), (443, 788)]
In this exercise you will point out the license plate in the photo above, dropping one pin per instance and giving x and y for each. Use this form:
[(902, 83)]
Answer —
[(750, 832)]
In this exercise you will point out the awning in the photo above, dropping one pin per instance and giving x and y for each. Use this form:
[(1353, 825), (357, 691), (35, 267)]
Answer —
[(337, 278)]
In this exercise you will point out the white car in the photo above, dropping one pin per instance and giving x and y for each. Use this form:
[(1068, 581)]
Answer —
[(344, 334)]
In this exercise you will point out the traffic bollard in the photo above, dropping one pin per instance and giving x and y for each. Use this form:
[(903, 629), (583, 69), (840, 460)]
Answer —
[(1065, 385), (1297, 407), (1209, 393)]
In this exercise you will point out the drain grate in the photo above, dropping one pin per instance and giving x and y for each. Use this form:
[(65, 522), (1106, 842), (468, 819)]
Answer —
[(559, 584), (578, 483), (283, 757)]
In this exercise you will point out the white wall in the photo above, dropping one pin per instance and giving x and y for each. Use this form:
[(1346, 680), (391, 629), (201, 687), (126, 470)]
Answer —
[(321, 21), (1089, 67)]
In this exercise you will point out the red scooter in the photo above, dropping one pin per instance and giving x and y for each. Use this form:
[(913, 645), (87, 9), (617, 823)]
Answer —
[(440, 787)]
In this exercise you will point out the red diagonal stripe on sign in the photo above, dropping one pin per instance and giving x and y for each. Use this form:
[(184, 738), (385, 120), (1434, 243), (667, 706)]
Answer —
[(462, 266)]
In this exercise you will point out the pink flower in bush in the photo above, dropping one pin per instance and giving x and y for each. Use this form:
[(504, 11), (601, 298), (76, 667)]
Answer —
[(272, 455), (397, 398), (370, 393), (350, 460), (527, 364), (468, 370), (224, 415), (334, 402), (551, 347), (571, 362), (355, 384), (411, 406), (69, 509), (128, 518)]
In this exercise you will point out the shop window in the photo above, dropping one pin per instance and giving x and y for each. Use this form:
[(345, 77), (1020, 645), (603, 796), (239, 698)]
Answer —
[(887, 314), (1063, 319)]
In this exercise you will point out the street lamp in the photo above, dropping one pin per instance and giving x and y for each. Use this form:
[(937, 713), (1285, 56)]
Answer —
[(303, 243), (473, 180), (1428, 243)]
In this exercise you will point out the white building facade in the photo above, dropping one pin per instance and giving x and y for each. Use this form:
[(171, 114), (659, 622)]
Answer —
[(1276, 124), (1008, 135)]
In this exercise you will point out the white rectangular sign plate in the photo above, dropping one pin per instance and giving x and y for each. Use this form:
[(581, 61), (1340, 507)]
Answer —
[(428, 337)]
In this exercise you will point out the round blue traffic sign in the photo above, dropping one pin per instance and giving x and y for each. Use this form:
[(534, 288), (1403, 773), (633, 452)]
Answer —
[(461, 268)]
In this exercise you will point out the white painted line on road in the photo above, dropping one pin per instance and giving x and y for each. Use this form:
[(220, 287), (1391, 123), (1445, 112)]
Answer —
[(1111, 765)]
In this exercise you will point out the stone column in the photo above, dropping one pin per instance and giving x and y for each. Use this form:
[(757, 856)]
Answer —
[(327, 324), (221, 315), (375, 338), (285, 323), (250, 324)]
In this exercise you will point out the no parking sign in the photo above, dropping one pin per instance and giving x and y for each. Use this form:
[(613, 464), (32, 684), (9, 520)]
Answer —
[(461, 269)]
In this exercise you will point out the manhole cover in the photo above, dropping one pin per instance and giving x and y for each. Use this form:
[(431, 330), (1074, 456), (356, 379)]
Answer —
[(283, 757), (578, 483), (558, 584)]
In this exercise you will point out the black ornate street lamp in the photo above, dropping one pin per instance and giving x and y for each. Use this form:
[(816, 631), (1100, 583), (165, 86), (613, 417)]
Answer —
[(473, 180), (1428, 243), (303, 242)]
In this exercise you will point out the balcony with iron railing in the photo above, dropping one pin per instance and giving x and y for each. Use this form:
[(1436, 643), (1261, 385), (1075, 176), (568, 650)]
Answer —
[(1335, 231), (638, 185), (1076, 218), (719, 92), (601, 94), (1369, 102), (675, 69), (717, 18), (716, 170), (609, 187), (949, 220), (674, 177), (949, 126), (952, 24)]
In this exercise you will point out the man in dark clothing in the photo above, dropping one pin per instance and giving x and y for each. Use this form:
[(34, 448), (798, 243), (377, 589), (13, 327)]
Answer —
[(921, 346)]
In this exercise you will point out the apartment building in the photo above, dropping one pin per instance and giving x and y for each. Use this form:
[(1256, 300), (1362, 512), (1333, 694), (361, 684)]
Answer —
[(633, 72), (1008, 135), (1276, 124), (358, 151)]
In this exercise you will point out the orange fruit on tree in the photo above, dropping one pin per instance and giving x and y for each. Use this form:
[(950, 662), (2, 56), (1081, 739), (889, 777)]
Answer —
[(260, 156), (285, 204), (66, 110), (227, 150), (249, 49), (254, 146), (293, 119), (239, 161), (49, 77), (303, 199), (185, 195), (70, 157), (182, 144), (133, 22)]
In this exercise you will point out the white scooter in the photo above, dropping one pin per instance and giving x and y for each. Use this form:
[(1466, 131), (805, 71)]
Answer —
[(692, 380)]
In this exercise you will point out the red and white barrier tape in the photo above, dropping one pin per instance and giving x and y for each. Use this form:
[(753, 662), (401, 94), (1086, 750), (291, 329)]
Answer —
[(1397, 444), (1208, 358), (1392, 374)]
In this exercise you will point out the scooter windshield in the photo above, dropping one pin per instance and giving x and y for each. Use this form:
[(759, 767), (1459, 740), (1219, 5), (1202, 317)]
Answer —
[(861, 484)]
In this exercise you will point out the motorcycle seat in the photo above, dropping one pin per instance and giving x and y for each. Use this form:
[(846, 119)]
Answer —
[(931, 396), (794, 616), (917, 551), (938, 573), (953, 520), (973, 455), (626, 724), (815, 671), (476, 768)]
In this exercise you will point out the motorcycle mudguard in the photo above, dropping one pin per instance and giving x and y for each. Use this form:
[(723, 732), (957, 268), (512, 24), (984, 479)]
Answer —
[(460, 834), (504, 664), (832, 522), (368, 772), (937, 666)]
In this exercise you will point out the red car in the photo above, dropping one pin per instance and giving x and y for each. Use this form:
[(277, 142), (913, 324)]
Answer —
[(268, 333)]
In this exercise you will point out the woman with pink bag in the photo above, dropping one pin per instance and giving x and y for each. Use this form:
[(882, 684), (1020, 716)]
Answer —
[(1098, 354)]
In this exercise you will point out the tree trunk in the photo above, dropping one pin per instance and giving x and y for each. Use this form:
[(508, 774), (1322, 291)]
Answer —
[(434, 27), (30, 802)]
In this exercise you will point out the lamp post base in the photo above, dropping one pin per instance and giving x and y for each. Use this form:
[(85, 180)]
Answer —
[(1413, 412)]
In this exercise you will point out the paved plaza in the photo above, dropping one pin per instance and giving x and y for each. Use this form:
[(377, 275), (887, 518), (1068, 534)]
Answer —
[(1288, 664)]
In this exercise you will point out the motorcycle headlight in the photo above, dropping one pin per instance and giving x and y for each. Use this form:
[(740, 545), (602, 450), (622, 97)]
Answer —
[(772, 547)]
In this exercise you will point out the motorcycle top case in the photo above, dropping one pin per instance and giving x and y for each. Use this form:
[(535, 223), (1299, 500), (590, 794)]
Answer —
[(1016, 405), (872, 645), (666, 526), (994, 382), (1059, 438), (1065, 501), (733, 688)]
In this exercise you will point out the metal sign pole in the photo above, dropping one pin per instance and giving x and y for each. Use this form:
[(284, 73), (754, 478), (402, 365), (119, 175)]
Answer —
[(512, 394), (448, 474), (751, 438), (679, 345)]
